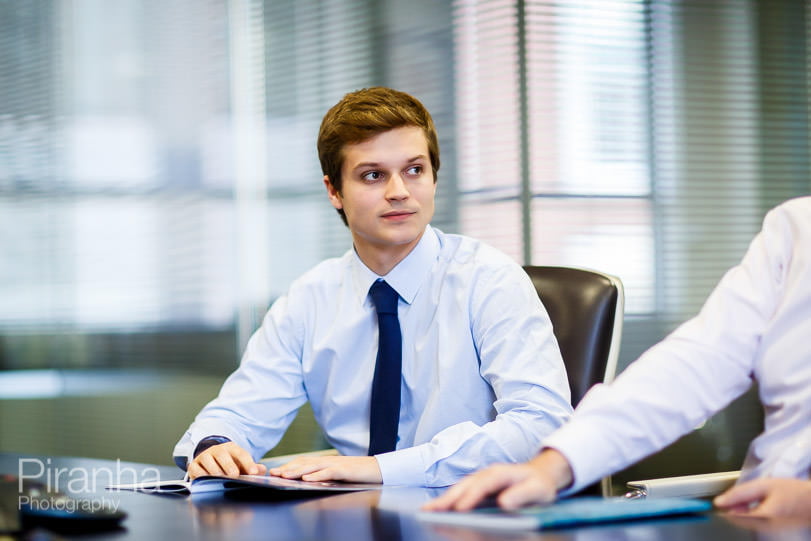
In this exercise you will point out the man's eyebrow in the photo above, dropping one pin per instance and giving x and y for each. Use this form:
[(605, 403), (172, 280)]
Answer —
[(377, 164), (366, 164)]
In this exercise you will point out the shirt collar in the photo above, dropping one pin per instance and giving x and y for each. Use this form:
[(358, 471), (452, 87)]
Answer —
[(407, 276)]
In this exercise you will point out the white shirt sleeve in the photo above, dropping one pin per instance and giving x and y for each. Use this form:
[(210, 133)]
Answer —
[(680, 382)]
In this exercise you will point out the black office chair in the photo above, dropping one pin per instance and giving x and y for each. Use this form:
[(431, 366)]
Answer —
[(586, 308)]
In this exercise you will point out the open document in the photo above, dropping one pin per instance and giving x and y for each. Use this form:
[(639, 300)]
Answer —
[(213, 483)]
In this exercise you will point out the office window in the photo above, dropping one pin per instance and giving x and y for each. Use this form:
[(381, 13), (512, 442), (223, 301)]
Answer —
[(158, 174), (111, 156), (159, 182), (557, 173)]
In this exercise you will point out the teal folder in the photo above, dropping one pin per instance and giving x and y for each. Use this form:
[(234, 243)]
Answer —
[(576, 511)]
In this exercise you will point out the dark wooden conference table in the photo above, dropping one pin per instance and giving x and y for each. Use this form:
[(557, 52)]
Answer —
[(387, 514)]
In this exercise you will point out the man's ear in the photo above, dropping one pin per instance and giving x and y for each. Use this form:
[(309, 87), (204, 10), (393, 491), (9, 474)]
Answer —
[(334, 196)]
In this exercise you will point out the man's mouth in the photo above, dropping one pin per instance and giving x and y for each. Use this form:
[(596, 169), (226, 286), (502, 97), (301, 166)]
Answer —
[(395, 214)]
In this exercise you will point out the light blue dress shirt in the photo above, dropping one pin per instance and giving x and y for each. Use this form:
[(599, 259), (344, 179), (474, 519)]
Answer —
[(483, 380)]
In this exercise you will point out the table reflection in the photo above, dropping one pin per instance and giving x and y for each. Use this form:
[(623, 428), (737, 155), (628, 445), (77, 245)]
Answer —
[(391, 514), (774, 530)]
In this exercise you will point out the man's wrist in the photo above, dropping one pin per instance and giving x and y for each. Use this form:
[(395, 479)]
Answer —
[(556, 466), (209, 441)]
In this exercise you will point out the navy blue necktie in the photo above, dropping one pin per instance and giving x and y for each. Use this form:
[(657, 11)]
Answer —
[(385, 406)]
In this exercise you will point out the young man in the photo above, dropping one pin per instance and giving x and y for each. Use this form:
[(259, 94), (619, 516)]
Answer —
[(478, 376), (755, 325)]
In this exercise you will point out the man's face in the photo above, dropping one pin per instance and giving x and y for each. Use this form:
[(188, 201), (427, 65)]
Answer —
[(387, 193)]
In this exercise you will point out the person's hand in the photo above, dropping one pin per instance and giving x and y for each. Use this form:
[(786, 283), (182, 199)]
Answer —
[(228, 459), (768, 498), (357, 469), (534, 482)]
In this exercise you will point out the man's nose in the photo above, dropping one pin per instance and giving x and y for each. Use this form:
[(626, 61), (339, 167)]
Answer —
[(396, 188)]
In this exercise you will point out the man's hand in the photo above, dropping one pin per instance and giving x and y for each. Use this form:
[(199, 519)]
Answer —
[(768, 498), (228, 459), (536, 481), (356, 469)]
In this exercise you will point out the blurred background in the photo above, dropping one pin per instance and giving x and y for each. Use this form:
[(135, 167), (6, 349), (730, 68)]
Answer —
[(159, 183)]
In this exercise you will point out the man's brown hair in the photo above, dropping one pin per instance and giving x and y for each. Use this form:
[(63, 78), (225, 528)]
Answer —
[(363, 114)]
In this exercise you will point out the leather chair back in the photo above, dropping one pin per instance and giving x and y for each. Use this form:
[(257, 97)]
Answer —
[(586, 308)]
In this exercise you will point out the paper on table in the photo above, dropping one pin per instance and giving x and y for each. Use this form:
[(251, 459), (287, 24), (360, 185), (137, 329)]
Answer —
[(218, 483), (213, 483)]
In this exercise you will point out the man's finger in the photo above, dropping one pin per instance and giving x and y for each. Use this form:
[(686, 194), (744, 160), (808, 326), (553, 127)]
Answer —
[(295, 471), (743, 494), (446, 500), (491, 481), (326, 474), (279, 471), (226, 463), (209, 464), (243, 461), (531, 490), (195, 470)]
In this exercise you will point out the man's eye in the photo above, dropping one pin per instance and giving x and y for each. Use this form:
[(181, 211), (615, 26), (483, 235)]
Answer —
[(415, 170), (371, 176)]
